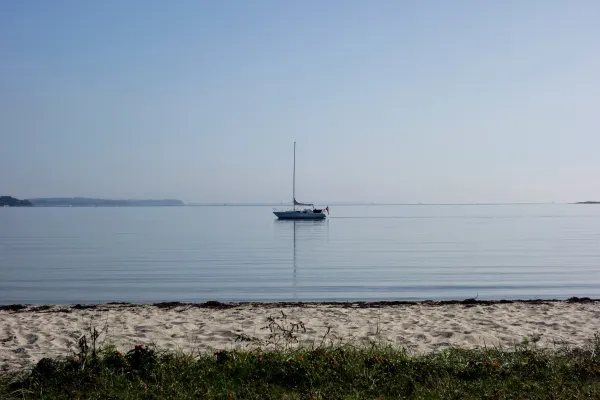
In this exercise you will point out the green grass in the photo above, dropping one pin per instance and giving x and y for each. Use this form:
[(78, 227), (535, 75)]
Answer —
[(326, 372)]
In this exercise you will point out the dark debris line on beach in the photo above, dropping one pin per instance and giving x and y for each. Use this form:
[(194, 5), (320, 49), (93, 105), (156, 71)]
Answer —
[(354, 304)]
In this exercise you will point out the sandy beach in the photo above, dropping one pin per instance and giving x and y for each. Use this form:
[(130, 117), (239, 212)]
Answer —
[(29, 333)]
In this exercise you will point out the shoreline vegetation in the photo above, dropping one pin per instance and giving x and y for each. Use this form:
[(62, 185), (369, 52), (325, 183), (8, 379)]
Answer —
[(303, 350), (323, 371)]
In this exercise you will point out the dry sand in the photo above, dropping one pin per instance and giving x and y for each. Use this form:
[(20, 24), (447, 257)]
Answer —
[(31, 333)]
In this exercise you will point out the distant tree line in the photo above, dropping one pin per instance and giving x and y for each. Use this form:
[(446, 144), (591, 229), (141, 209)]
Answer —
[(13, 202)]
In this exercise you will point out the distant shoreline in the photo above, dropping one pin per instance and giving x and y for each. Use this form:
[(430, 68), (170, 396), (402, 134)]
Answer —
[(95, 202), (9, 201), (105, 206)]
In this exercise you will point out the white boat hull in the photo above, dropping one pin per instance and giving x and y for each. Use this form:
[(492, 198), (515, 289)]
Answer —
[(309, 214)]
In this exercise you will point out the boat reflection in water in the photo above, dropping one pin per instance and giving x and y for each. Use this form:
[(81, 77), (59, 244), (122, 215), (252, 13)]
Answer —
[(308, 237)]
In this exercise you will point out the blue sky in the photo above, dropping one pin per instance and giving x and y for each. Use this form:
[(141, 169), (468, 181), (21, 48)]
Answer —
[(392, 101)]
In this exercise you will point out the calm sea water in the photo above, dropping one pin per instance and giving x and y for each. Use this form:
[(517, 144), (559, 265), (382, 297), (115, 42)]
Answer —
[(89, 255)]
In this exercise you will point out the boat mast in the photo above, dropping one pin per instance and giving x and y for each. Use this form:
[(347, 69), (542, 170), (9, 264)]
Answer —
[(294, 179)]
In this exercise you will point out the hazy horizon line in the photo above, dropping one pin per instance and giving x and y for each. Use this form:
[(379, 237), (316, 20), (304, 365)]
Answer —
[(324, 203), (209, 204)]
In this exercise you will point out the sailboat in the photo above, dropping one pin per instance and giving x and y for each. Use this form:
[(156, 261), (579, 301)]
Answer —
[(306, 213)]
